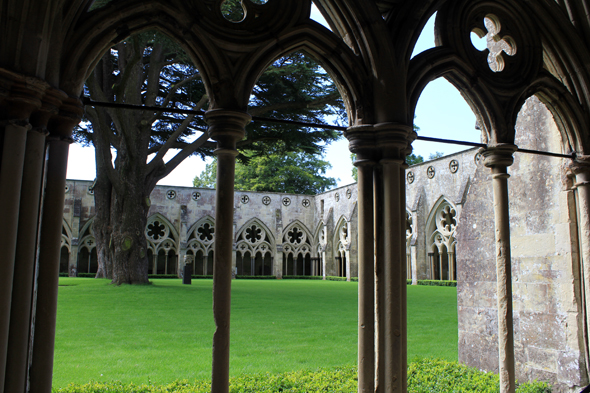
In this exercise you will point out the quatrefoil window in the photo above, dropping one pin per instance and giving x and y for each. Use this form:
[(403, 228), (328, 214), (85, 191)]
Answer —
[(253, 234), (295, 236), (156, 230), (495, 43), (206, 232), (447, 219)]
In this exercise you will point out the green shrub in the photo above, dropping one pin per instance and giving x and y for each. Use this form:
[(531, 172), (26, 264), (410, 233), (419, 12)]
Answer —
[(256, 277), (303, 277), (437, 283), (336, 278), (158, 276), (435, 375), (424, 376)]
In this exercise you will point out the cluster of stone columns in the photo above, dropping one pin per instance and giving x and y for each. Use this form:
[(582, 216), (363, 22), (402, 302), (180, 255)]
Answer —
[(36, 122), (382, 354)]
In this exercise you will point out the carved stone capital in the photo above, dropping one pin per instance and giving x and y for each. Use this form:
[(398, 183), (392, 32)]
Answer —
[(498, 156), (579, 169), (20, 95), (70, 113), (383, 141), (226, 127)]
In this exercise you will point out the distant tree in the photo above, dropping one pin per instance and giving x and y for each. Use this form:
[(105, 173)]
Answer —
[(413, 159), (291, 172), (434, 156), (150, 69)]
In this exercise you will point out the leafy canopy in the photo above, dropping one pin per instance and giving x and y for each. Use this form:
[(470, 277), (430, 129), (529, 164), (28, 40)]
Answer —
[(294, 173)]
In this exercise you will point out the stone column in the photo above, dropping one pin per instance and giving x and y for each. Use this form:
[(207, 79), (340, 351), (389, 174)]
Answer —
[(324, 264), (581, 170), (278, 263), (389, 144), (204, 259), (347, 257), (451, 256), (414, 264), (226, 127), (366, 261), (499, 158), (440, 265), (41, 372), (24, 268), (45, 308), (11, 171)]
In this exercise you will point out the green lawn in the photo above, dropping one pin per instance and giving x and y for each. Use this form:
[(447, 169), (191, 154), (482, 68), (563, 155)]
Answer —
[(163, 332)]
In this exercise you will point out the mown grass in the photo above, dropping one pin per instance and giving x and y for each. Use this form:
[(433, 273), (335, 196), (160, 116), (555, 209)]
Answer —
[(163, 332)]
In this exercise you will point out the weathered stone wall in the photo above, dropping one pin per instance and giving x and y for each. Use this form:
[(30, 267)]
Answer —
[(547, 318)]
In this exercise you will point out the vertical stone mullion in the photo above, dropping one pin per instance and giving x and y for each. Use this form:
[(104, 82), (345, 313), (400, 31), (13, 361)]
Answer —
[(226, 127), (498, 158)]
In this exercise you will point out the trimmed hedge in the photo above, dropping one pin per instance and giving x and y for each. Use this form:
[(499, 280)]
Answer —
[(424, 376), (437, 283), (435, 375)]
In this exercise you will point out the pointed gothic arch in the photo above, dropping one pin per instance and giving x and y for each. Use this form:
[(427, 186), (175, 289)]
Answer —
[(255, 248), (201, 238), (341, 243), (297, 249), (440, 239), (163, 245)]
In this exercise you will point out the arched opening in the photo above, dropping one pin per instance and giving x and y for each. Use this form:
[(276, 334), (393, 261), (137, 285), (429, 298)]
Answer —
[(64, 260)]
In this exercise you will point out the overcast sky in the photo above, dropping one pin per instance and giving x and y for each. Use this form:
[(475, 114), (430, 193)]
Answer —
[(441, 112)]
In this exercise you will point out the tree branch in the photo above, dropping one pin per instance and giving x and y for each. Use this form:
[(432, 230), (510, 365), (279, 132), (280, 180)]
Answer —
[(316, 103), (175, 135)]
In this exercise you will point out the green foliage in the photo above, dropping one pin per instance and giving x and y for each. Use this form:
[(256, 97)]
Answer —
[(355, 171), (435, 375), (240, 277), (207, 178), (437, 283), (294, 173), (413, 159), (434, 156), (424, 376)]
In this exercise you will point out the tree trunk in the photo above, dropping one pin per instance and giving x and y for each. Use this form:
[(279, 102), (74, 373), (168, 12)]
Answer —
[(128, 243), (102, 226)]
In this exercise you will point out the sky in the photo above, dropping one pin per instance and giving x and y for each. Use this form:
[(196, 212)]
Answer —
[(441, 112)]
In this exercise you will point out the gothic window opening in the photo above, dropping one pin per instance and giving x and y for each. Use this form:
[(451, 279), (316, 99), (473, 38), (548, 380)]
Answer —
[(342, 243), (297, 249), (200, 246), (87, 257), (162, 242), (442, 260), (254, 250)]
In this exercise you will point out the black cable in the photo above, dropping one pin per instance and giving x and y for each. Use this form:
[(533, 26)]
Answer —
[(88, 101)]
